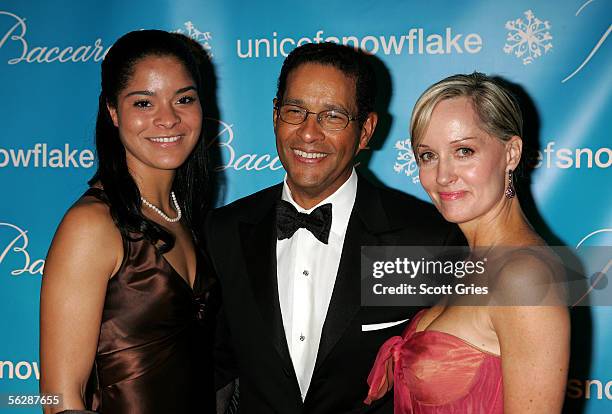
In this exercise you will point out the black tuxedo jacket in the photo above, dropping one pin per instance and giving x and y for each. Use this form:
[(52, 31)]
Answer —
[(241, 244)]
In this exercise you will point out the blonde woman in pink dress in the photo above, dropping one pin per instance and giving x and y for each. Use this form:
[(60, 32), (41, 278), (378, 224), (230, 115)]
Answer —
[(466, 134)]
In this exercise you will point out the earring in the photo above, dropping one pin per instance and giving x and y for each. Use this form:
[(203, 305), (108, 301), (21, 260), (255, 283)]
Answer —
[(510, 192)]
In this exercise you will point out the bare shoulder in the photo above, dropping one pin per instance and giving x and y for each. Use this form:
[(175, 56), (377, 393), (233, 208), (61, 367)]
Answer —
[(527, 285), (527, 276), (86, 234), (91, 212), (535, 263)]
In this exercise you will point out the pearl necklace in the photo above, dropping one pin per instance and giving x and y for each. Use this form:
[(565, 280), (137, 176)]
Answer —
[(161, 213)]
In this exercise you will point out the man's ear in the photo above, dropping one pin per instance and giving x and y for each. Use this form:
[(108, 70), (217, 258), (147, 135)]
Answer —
[(274, 112), (514, 149), (367, 130), (112, 111)]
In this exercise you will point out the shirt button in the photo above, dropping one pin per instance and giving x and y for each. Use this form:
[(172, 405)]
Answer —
[(305, 272), (302, 338)]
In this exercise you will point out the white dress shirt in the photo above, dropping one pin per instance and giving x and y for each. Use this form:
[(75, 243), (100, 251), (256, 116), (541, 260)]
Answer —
[(306, 272)]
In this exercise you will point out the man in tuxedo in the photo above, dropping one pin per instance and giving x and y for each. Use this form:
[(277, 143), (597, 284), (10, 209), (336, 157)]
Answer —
[(288, 257)]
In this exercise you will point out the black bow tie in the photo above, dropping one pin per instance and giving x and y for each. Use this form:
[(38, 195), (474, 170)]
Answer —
[(289, 220)]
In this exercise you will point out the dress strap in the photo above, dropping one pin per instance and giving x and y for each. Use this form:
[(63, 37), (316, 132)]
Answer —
[(412, 325)]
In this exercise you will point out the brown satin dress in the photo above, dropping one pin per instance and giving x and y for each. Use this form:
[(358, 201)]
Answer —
[(155, 347)]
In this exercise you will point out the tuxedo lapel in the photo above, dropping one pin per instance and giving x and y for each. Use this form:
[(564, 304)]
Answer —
[(367, 220), (345, 300), (259, 248)]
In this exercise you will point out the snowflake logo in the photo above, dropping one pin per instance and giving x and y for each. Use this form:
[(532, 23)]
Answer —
[(405, 161), (201, 37), (527, 39)]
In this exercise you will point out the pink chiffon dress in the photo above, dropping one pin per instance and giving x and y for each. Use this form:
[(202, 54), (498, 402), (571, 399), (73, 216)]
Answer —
[(434, 372)]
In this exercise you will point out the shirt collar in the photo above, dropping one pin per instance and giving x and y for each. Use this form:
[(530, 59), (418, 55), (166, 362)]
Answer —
[(342, 201)]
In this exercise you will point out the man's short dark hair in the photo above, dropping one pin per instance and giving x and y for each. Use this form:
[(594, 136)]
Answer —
[(352, 62)]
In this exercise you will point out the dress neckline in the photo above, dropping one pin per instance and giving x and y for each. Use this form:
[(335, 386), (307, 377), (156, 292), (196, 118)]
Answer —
[(177, 274), (100, 194)]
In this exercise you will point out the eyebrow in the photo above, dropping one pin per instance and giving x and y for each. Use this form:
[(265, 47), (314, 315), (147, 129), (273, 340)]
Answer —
[(151, 93), (328, 107), (293, 101), (185, 89), (452, 142), (462, 139)]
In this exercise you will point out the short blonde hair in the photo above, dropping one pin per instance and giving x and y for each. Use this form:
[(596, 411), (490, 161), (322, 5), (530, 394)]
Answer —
[(496, 107)]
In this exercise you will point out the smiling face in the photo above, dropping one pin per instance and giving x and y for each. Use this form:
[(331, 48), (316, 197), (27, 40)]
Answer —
[(158, 115), (318, 161), (462, 167)]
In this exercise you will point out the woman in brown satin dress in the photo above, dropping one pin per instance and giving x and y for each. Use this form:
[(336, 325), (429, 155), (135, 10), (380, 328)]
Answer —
[(124, 325)]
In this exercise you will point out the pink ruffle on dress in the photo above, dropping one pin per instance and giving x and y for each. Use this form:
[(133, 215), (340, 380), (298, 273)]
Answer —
[(434, 372)]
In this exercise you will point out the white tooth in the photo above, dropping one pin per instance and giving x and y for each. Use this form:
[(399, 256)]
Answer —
[(310, 155), (165, 139)]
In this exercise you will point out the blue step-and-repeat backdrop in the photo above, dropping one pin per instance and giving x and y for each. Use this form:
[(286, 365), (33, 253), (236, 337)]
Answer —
[(557, 54)]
